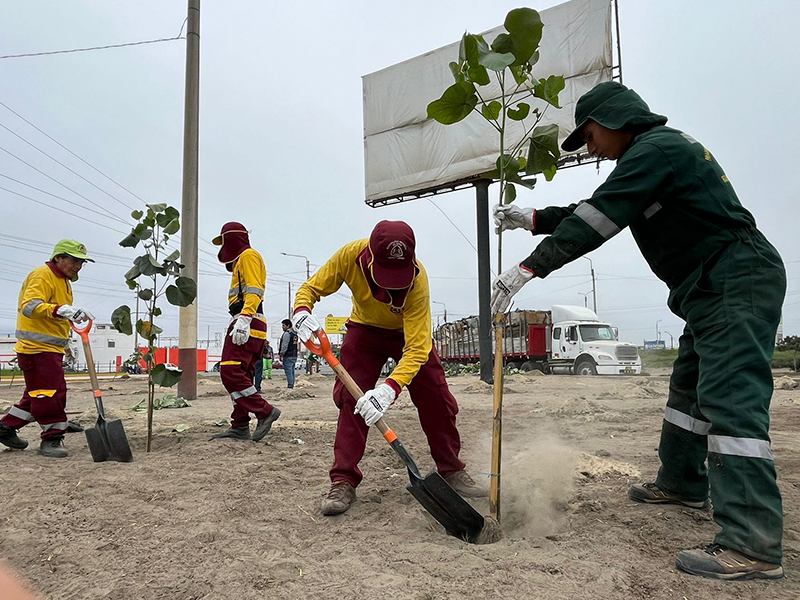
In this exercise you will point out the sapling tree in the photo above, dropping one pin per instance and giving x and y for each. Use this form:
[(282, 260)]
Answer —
[(154, 274)]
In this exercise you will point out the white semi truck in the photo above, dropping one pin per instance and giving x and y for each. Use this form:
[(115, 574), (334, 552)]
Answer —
[(570, 338)]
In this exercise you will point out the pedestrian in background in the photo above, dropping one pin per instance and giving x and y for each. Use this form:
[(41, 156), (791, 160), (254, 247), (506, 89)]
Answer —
[(287, 351), (43, 331)]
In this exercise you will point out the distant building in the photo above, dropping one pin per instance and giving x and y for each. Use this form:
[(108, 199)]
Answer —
[(110, 348)]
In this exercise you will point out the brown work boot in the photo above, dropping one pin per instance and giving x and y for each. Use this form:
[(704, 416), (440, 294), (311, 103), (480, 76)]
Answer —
[(9, 437), (650, 493), (265, 424), (340, 497), (53, 448), (718, 562), (461, 482)]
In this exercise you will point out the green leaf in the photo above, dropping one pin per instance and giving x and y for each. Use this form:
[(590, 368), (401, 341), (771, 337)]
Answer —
[(156, 312), (147, 265), (165, 376), (521, 73), (456, 71), (130, 241), (143, 232), (478, 75), (544, 152), (121, 319), (534, 59), (550, 173), (145, 294), (510, 193), (172, 227), (180, 428), (133, 273), (174, 256), (147, 329), (157, 208), (548, 89), (183, 292), (150, 221), (525, 28), (503, 44), (495, 61), (455, 104), (137, 214), (471, 47), (519, 113), (492, 110), (507, 162), (172, 212), (162, 219), (131, 284)]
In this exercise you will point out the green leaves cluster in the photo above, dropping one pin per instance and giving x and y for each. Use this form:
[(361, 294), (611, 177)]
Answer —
[(153, 230), (509, 59)]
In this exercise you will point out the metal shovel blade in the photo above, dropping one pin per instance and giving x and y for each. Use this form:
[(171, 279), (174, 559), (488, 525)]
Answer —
[(445, 505), (107, 441)]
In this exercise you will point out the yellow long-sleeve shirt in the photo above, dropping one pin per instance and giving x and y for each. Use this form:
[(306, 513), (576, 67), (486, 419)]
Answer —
[(413, 318), (248, 281), (38, 329)]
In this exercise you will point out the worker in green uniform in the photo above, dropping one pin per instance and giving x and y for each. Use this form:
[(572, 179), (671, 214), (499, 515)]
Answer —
[(726, 281)]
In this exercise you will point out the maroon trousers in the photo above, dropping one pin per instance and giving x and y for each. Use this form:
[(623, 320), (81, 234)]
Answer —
[(364, 352), (237, 367), (45, 396)]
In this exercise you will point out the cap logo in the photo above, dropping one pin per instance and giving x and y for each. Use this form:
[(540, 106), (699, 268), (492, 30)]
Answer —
[(82, 249), (396, 250)]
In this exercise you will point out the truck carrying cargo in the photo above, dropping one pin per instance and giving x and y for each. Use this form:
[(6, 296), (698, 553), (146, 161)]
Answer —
[(570, 338)]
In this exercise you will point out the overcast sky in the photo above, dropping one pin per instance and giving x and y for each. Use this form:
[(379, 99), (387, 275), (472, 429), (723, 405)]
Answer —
[(281, 141)]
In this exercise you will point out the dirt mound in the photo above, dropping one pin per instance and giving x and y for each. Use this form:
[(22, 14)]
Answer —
[(598, 466), (785, 383), (584, 409), (289, 394), (481, 387)]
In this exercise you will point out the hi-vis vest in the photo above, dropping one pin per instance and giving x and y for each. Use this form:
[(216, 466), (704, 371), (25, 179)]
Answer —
[(38, 329)]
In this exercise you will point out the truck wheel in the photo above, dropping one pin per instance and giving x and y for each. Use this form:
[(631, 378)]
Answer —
[(585, 367), (516, 365)]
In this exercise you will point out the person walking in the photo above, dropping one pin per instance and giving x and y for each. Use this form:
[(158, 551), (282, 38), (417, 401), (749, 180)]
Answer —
[(43, 331), (391, 318), (244, 342), (287, 351), (726, 281)]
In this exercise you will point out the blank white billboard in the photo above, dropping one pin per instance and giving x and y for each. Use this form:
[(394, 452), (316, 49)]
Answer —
[(406, 153)]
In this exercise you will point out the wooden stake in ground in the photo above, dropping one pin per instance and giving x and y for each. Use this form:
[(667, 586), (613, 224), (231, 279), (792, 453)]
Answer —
[(497, 419)]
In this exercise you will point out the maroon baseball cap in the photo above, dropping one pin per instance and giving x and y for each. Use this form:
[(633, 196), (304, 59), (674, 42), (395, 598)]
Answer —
[(392, 245)]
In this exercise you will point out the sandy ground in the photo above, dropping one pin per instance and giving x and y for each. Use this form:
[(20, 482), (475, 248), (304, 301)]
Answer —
[(239, 520)]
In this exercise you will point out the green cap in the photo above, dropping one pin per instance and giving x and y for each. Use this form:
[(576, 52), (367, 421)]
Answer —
[(72, 247), (613, 106)]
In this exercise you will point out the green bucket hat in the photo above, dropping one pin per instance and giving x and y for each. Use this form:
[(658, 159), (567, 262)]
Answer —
[(613, 106), (72, 247)]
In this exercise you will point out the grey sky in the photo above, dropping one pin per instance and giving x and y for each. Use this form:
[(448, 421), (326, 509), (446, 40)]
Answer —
[(281, 145)]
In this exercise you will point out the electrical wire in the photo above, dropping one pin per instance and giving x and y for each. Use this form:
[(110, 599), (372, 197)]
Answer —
[(73, 50)]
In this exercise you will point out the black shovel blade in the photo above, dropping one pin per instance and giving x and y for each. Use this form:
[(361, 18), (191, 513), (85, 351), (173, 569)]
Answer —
[(107, 441), (444, 504)]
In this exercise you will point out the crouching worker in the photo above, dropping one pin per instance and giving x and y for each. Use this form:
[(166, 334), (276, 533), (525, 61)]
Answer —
[(43, 330), (244, 342), (391, 318)]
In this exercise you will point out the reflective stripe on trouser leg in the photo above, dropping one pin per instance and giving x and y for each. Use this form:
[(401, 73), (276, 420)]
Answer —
[(733, 313), (237, 367), (682, 449)]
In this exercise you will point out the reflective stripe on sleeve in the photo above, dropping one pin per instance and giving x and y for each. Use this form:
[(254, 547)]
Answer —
[(653, 209), (686, 422), (596, 220), (244, 393), (15, 411), (33, 336), (62, 426), (251, 289), (736, 446), (28, 309), (234, 291)]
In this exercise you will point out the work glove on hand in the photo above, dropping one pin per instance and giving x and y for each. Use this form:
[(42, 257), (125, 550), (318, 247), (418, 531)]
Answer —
[(305, 324), (508, 284), (241, 330), (372, 405), (73, 313), (510, 216)]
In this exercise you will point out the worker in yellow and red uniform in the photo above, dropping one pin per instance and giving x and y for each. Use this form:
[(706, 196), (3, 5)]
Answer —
[(43, 330), (391, 318), (244, 342)]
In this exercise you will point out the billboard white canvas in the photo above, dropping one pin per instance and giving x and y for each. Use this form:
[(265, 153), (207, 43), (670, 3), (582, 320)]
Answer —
[(406, 153)]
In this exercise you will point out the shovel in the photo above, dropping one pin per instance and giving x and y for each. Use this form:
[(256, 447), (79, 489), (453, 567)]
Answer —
[(435, 495), (106, 439)]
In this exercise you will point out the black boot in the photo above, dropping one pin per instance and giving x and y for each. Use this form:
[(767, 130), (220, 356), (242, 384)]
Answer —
[(264, 425), (53, 448), (236, 433), (9, 437), (73, 427)]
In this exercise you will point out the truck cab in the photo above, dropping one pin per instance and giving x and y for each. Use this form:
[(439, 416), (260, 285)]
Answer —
[(587, 346)]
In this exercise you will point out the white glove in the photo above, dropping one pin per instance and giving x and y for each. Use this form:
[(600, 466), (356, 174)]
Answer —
[(74, 314), (305, 324), (510, 216), (508, 284), (241, 330), (372, 405)]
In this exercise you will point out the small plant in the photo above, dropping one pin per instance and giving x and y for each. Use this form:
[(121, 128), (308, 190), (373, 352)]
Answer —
[(154, 274)]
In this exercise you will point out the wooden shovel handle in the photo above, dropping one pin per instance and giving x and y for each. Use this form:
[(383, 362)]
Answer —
[(323, 349)]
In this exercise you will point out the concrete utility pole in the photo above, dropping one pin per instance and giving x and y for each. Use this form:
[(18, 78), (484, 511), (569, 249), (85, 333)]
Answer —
[(187, 344)]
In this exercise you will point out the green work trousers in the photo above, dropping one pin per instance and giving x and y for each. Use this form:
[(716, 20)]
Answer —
[(268, 367), (720, 392)]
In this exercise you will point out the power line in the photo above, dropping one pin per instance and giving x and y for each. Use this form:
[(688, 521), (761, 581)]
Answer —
[(73, 50)]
